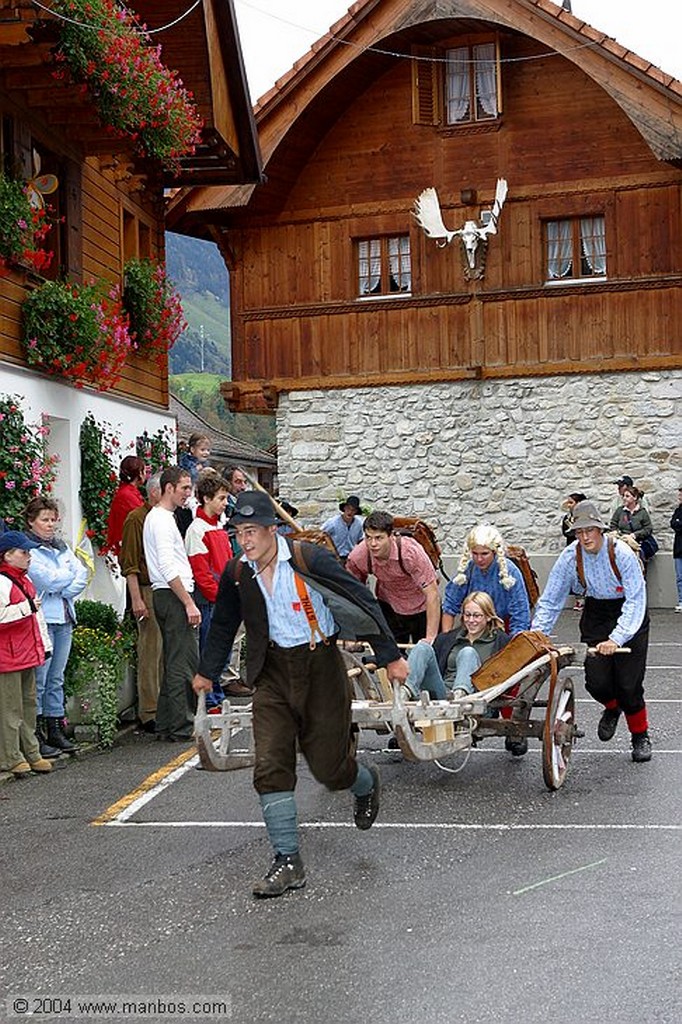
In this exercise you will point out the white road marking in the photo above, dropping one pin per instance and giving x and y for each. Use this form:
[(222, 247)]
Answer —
[(556, 878), (459, 826)]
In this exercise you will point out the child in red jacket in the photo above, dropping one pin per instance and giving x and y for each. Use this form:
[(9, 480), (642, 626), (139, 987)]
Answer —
[(21, 650)]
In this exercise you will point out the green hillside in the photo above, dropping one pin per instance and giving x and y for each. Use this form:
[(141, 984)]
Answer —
[(200, 391)]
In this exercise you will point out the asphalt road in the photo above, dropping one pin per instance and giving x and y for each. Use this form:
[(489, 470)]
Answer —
[(477, 896)]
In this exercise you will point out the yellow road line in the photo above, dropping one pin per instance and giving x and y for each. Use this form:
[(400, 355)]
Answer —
[(152, 780)]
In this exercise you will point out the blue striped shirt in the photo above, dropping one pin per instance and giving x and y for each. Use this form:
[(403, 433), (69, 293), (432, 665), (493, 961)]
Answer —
[(287, 620), (601, 583)]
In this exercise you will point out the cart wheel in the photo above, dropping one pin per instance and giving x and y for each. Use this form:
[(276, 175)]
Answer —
[(557, 737)]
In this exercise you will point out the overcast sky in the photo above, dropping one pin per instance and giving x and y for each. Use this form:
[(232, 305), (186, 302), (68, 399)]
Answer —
[(275, 33)]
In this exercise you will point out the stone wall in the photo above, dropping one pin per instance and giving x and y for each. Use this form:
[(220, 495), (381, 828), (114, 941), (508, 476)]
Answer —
[(503, 450)]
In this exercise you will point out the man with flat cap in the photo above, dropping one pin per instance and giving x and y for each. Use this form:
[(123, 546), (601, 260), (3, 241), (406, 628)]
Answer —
[(615, 615), (295, 600), (345, 529)]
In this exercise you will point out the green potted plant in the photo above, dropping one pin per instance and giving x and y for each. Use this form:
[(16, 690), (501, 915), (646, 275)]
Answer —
[(77, 332), (22, 228), (95, 677), (25, 467), (98, 444), (104, 46), (153, 307)]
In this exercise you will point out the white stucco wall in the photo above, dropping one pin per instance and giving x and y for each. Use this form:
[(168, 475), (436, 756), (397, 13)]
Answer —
[(507, 451), (66, 408)]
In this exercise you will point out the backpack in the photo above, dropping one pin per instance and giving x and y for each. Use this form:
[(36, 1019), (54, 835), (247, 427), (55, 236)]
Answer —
[(516, 554), (412, 526)]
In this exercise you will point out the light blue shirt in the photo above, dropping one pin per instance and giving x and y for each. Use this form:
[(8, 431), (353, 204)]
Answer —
[(287, 620), (600, 583), (344, 535)]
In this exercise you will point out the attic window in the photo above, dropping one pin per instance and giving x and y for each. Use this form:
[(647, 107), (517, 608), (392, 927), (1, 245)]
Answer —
[(384, 266), (456, 86), (576, 249)]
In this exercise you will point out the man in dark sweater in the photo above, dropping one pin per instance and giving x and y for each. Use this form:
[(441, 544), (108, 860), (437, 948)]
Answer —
[(295, 600)]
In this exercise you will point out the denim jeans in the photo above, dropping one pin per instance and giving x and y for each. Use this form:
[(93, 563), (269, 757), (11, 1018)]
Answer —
[(678, 578), (50, 676), (424, 673), (467, 661)]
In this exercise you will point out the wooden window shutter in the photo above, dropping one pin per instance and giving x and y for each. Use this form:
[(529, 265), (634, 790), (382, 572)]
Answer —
[(426, 79)]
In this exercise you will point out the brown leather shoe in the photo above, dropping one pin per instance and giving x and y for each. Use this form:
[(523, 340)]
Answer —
[(21, 770), (237, 690), (42, 766)]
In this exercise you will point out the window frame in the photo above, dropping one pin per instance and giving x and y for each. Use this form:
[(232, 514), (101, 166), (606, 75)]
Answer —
[(386, 274), (430, 84), (578, 256)]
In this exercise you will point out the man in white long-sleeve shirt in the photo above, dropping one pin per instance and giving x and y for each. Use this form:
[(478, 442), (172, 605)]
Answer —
[(615, 615), (172, 584)]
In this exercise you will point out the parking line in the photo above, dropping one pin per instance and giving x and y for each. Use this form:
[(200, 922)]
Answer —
[(556, 878), (151, 787), (446, 826)]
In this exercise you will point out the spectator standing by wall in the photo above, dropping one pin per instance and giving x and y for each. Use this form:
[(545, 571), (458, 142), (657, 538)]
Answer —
[(179, 618), (132, 475), (59, 577), (676, 525)]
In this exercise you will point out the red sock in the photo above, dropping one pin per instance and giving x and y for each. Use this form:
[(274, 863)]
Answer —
[(611, 705), (638, 722)]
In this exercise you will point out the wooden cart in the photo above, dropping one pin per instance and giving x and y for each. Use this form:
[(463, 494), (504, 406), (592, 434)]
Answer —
[(431, 730)]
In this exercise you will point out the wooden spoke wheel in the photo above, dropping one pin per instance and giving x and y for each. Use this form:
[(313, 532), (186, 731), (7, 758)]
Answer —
[(558, 733)]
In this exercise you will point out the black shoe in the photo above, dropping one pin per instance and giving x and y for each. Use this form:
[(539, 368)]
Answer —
[(517, 748), (608, 724), (56, 737), (641, 747), (41, 735), (393, 743), (367, 807), (285, 872), (148, 726)]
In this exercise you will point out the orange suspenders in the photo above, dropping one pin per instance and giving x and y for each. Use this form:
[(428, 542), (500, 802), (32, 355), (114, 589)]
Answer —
[(310, 615)]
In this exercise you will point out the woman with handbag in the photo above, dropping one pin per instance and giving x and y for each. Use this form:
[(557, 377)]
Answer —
[(59, 577), (21, 651), (632, 518)]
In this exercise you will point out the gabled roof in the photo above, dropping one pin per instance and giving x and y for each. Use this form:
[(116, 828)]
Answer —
[(224, 447), (374, 33), (200, 42)]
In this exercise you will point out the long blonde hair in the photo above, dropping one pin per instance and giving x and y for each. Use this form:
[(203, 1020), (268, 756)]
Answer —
[(484, 602), (485, 536)]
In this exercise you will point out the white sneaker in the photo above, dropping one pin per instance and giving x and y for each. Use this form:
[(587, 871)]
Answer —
[(678, 607)]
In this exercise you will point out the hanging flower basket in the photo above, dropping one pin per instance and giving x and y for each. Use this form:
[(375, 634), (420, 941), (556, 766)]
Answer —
[(74, 331), (26, 469), (22, 228), (104, 47), (154, 309)]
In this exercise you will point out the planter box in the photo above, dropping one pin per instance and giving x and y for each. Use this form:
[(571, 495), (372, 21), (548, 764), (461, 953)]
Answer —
[(78, 715)]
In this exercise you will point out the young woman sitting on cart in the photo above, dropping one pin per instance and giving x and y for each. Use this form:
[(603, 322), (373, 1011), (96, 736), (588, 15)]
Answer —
[(449, 664)]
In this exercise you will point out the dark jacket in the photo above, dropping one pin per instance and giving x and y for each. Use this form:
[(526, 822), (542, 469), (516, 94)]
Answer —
[(355, 610), (637, 523), (488, 644), (676, 525)]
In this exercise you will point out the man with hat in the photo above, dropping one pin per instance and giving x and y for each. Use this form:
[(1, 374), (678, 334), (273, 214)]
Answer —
[(295, 600), (345, 529), (621, 483), (615, 615)]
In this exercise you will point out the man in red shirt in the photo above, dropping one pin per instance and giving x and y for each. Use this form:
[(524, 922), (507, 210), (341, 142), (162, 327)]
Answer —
[(407, 585)]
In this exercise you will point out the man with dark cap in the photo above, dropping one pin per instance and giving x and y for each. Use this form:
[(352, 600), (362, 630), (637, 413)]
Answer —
[(615, 615), (295, 599), (345, 529)]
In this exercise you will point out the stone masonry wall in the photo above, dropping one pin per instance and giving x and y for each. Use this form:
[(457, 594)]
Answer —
[(507, 451)]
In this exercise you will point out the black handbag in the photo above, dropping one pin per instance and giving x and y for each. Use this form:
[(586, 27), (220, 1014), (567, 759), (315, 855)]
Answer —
[(648, 546)]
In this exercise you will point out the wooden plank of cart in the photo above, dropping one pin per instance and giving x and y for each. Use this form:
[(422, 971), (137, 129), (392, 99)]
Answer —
[(530, 675)]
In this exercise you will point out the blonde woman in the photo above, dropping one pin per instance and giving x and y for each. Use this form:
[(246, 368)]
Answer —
[(484, 567), (462, 651)]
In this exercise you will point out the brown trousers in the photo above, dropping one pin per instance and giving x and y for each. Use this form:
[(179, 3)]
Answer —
[(18, 718), (149, 660), (303, 697)]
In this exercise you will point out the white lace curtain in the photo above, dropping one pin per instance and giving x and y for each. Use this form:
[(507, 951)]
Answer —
[(593, 242), (559, 249), (399, 263), (458, 79), (369, 265)]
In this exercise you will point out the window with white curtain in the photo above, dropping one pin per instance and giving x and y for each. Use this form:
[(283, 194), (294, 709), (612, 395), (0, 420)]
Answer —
[(576, 248), (384, 266), (471, 84)]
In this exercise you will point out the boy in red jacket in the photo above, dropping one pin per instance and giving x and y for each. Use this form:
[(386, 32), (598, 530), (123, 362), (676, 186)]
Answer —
[(21, 650)]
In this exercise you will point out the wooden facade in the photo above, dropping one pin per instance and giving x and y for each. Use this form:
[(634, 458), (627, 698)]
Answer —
[(110, 204), (584, 129)]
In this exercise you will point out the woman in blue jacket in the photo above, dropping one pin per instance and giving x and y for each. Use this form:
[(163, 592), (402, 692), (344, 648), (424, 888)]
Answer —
[(59, 577)]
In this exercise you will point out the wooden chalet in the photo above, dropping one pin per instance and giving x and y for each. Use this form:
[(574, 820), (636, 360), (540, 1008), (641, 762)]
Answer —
[(109, 205), (333, 283)]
